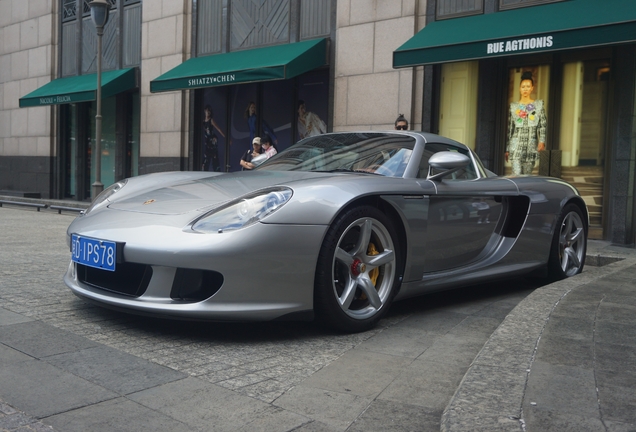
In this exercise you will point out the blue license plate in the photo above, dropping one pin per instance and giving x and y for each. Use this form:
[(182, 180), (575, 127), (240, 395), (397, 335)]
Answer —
[(92, 252)]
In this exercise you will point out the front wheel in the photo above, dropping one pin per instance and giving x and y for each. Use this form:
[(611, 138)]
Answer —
[(567, 255), (358, 270)]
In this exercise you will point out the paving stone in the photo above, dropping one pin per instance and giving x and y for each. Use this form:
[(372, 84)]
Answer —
[(21, 386), (34, 338), (359, 372), (118, 414), (428, 384), (114, 370), (335, 409), (384, 416)]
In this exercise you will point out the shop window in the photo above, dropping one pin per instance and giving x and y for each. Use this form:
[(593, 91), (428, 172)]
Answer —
[(213, 115), (311, 107), (456, 8), (69, 10), (278, 106), (315, 18), (286, 110), (121, 43), (527, 118), (109, 44), (131, 37), (458, 102), (512, 4), (258, 23), (87, 8), (209, 26), (108, 141), (583, 129)]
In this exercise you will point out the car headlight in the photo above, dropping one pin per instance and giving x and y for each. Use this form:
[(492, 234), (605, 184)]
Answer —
[(243, 212), (102, 198)]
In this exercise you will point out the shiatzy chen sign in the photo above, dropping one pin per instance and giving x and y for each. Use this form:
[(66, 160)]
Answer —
[(524, 44), (211, 80)]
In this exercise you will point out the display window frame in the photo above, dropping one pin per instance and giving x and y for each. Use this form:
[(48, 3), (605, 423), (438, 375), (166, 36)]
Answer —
[(558, 111), (276, 113)]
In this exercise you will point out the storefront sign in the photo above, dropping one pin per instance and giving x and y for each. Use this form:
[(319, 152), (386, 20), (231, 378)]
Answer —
[(204, 81), (211, 80), (277, 62), (525, 44), (80, 88), (55, 100)]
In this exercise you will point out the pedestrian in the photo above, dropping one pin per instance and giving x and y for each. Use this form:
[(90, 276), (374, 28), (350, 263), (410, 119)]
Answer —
[(257, 149), (266, 143), (401, 123)]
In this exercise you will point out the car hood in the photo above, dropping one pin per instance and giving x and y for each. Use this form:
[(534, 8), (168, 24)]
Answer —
[(179, 196)]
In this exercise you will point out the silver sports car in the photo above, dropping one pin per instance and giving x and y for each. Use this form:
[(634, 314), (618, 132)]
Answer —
[(336, 227)]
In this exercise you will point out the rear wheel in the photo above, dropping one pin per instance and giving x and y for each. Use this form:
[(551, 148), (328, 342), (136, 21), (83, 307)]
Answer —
[(358, 270), (569, 244)]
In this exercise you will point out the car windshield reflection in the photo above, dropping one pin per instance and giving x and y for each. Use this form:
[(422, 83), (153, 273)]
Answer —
[(373, 153)]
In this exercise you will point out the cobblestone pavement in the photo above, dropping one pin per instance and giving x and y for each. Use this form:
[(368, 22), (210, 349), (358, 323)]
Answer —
[(261, 361)]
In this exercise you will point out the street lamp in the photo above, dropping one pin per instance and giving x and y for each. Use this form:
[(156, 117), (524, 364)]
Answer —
[(99, 15)]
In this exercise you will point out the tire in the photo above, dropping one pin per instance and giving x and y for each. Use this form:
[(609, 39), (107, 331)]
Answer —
[(569, 244), (347, 296)]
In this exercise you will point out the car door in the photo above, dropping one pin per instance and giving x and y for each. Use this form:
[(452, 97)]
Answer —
[(465, 215)]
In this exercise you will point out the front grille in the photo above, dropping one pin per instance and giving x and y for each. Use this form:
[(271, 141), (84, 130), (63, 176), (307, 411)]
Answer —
[(129, 278)]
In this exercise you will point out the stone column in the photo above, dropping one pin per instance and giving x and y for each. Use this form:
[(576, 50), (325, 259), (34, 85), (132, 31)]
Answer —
[(28, 56), (164, 116), (369, 93)]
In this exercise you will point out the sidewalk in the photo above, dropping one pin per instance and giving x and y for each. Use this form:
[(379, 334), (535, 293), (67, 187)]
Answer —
[(563, 360)]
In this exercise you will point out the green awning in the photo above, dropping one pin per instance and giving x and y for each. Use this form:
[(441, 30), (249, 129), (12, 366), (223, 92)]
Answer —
[(550, 27), (259, 64), (80, 88)]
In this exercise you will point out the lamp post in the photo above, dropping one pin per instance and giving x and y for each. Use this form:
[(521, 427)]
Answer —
[(99, 15)]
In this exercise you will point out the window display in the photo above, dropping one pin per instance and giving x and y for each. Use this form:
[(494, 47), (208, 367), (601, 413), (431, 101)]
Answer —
[(527, 125)]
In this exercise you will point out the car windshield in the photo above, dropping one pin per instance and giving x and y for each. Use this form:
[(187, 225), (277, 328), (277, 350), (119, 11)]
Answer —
[(374, 153)]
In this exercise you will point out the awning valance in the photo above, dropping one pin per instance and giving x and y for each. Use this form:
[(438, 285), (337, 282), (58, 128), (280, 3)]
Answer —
[(80, 88), (550, 27), (237, 67)]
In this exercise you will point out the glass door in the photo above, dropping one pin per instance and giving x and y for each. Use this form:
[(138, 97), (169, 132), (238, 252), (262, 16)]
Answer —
[(70, 150), (583, 127), (108, 146)]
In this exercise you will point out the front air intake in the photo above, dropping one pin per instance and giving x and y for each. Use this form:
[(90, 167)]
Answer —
[(191, 285), (129, 278)]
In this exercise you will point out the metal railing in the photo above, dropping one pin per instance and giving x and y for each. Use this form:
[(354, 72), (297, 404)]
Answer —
[(40, 206)]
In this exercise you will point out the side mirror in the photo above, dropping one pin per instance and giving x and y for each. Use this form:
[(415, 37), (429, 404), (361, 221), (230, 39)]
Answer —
[(445, 163)]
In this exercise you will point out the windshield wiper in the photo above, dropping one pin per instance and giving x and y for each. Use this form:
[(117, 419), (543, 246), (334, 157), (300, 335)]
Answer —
[(349, 170)]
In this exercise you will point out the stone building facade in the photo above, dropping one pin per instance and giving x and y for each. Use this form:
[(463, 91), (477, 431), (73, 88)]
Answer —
[(368, 61)]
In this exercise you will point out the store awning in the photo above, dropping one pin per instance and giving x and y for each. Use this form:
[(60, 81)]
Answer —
[(80, 88), (550, 27), (259, 64)]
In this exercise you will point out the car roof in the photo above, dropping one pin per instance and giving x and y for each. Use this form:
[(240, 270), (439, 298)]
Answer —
[(426, 137)]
